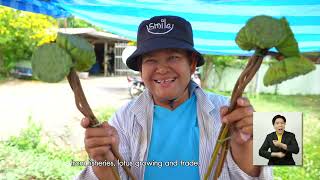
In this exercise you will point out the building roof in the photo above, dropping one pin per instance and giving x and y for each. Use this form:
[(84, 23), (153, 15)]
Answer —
[(94, 36)]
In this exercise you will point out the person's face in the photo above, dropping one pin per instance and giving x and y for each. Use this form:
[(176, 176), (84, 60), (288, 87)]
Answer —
[(166, 73), (279, 125)]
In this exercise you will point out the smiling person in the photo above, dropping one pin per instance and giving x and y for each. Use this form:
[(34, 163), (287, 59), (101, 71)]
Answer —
[(282, 144), (173, 122)]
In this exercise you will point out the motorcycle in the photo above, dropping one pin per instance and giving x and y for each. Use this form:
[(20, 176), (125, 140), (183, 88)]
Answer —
[(196, 77), (136, 86)]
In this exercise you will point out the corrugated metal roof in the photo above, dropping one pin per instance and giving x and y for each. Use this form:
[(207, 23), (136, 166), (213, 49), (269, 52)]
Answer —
[(91, 32)]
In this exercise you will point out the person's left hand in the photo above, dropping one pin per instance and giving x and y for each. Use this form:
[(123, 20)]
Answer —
[(240, 119), (277, 143), (280, 144), (241, 143)]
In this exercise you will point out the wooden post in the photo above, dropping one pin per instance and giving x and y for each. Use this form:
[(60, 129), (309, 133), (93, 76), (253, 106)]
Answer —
[(106, 59)]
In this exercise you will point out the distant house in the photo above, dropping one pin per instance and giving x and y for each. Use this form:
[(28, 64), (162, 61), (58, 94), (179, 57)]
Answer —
[(108, 48)]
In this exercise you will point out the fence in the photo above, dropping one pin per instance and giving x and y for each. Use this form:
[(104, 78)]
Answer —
[(304, 85), (121, 69)]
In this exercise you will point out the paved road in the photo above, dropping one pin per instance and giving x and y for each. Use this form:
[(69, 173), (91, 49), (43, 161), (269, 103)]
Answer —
[(53, 106)]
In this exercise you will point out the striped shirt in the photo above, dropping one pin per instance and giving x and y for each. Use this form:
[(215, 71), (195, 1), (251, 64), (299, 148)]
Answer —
[(134, 124)]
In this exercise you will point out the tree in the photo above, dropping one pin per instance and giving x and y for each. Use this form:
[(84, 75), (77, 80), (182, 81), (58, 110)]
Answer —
[(20, 33), (73, 22), (218, 64)]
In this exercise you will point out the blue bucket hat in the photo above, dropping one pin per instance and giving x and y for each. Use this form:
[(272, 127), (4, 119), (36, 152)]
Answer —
[(162, 32)]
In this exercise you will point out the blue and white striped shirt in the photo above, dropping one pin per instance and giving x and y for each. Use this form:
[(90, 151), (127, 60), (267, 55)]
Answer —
[(134, 124)]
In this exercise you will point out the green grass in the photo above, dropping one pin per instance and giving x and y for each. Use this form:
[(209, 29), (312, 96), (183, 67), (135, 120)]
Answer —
[(310, 107), (2, 79), (27, 156), (105, 113), (29, 164)]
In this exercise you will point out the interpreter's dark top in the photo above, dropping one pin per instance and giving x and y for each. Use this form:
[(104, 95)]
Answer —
[(289, 139)]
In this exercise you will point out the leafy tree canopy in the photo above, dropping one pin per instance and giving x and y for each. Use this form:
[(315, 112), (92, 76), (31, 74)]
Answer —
[(73, 22), (20, 33)]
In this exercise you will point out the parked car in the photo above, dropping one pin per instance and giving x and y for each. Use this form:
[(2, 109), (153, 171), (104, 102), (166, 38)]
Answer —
[(22, 69)]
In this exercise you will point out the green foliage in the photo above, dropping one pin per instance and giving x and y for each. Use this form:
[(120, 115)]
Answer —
[(51, 63), (104, 114), (243, 41), (28, 164), (219, 64), (132, 43), (261, 32), (286, 69), (72, 22), (311, 159), (225, 61), (289, 47), (27, 157), (275, 74), (29, 138), (2, 78), (20, 33), (81, 51), (265, 32), (296, 66)]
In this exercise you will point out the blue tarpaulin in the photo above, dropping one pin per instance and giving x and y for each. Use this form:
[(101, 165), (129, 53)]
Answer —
[(215, 22)]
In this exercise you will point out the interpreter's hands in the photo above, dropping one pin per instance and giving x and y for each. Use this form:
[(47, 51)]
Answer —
[(240, 119), (280, 154), (98, 141), (277, 143)]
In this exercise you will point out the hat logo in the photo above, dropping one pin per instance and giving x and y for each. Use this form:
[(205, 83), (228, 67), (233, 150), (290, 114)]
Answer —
[(161, 27)]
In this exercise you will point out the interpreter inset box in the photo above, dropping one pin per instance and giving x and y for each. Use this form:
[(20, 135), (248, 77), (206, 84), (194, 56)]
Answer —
[(277, 138)]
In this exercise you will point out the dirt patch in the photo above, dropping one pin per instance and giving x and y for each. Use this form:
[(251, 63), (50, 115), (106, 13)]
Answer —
[(52, 105)]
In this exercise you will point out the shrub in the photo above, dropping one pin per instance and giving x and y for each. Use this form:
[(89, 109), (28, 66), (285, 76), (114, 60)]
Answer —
[(27, 157)]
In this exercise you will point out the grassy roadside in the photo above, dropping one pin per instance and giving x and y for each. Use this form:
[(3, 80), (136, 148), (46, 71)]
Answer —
[(3, 79), (28, 156), (310, 107)]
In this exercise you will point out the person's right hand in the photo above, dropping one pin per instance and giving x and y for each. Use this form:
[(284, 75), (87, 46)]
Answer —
[(280, 154), (98, 141)]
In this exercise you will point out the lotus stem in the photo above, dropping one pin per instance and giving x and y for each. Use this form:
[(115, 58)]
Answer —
[(84, 108), (222, 143)]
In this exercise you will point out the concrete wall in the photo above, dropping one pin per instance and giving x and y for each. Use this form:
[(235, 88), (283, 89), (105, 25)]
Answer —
[(306, 84)]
